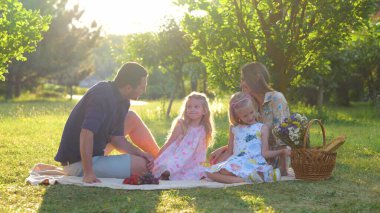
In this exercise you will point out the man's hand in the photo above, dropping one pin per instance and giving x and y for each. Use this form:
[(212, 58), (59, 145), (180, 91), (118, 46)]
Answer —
[(86, 147), (150, 160), (90, 178)]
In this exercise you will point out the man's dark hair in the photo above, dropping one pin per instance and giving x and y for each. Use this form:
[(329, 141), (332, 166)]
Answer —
[(130, 74)]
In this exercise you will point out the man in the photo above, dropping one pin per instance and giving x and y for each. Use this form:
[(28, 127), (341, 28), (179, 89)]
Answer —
[(98, 119)]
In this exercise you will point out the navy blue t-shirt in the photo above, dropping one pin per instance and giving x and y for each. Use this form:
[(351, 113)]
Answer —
[(102, 111)]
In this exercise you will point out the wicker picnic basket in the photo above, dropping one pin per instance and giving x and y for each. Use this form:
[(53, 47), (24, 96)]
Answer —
[(312, 163)]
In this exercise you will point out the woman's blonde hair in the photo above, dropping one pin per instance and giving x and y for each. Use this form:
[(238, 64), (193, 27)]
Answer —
[(238, 101), (256, 76), (207, 120)]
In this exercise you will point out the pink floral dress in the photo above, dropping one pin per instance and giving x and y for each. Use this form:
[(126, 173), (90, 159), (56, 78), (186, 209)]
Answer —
[(184, 157)]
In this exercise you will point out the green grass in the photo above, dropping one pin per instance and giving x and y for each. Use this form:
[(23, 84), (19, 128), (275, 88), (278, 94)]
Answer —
[(30, 132)]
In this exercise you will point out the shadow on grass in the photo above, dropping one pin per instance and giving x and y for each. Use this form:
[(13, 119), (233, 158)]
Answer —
[(68, 198), (343, 192), (294, 196)]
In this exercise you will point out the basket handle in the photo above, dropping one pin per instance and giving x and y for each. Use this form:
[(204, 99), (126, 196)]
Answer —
[(307, 130)]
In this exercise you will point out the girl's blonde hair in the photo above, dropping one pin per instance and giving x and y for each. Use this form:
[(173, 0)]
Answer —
[(207, 120), (238, 101)]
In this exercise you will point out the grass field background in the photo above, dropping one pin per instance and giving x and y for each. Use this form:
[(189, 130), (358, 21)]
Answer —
[(30, 132)]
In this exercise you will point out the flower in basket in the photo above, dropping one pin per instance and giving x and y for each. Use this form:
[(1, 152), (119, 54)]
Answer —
[(292, 130)]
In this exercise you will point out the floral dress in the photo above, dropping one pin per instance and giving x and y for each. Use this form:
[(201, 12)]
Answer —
[(247, 159), (184, 157), (274, 110)]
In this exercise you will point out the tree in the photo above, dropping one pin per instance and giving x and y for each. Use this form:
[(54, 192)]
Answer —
[(20, 31), (287, 35), (174, 52), (63, 56), (362, 63), (167, 51)]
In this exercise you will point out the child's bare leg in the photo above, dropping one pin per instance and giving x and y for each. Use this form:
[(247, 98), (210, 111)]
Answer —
[(225, 172), (282, 165), (224, 177), (139, 133), (281, 161)]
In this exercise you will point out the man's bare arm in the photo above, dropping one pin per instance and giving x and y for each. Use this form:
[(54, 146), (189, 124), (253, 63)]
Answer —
[(86, 151)]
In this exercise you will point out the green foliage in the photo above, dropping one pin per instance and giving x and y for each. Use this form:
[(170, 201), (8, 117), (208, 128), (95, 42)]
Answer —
[(51, 91), (169, 53), (354, 69), (57, 91), (64, 56), (288, 36), (20, 32), (105, 64)]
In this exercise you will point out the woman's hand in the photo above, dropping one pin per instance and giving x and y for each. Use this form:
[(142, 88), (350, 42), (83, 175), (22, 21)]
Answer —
[(286, 152), (215, 155)]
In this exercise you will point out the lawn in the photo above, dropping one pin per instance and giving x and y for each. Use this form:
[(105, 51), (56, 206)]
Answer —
[(30, 131)]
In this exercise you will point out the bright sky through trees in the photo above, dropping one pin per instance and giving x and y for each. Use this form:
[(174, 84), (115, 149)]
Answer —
[(128, 16)]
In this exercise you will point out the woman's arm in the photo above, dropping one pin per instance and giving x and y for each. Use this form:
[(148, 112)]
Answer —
[(226, 152), (230, 147), (177, 131), (217, 154), (265, 151), (280, 110)]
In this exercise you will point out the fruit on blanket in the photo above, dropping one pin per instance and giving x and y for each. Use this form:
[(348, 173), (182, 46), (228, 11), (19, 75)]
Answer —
[(148, 178), (134, 179)]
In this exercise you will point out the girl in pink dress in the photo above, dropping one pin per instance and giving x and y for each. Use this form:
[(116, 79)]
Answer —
[(183, 154)]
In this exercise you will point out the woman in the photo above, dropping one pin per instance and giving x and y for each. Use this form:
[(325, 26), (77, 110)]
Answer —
[(273, 108)]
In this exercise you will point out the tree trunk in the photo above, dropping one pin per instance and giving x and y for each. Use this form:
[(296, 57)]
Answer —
[(205, 82), (17, 88), (71, 92), (9, 93), (342, 96), (181, 87), (172, 96), (321, 91), (194, 83), (9, 88), (279, 78), (280, 65)]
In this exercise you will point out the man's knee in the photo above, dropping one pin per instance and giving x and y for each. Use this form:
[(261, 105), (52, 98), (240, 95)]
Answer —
[(138, 165)]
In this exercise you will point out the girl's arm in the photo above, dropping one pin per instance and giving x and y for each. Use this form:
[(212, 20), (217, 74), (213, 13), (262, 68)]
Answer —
[(177, 131), (265, 151)]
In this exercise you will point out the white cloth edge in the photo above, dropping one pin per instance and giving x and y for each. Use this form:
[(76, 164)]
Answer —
[(50, 175)]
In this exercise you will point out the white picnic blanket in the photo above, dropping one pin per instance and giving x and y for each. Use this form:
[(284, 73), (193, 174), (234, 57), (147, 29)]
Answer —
[(50, 175)]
